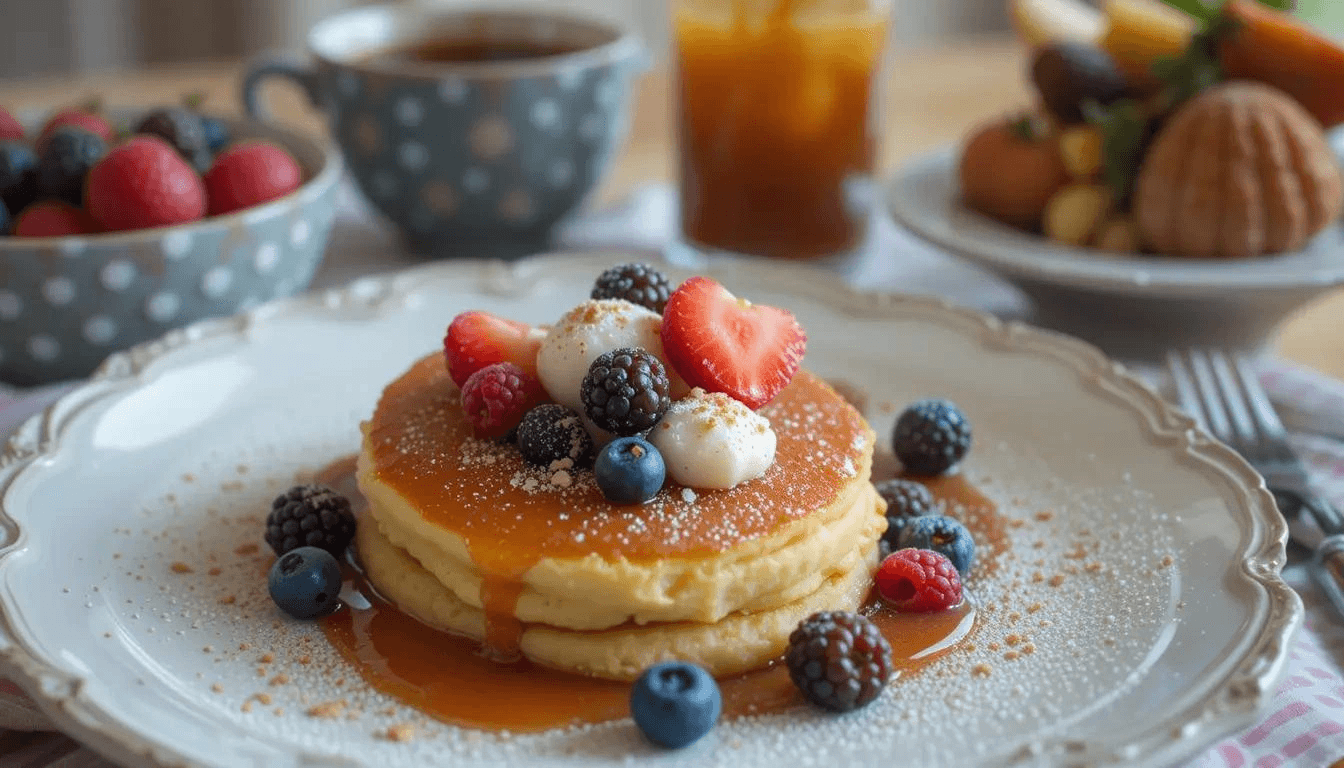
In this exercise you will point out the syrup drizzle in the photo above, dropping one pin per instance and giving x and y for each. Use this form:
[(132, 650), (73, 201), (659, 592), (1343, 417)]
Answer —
[(450, 678)]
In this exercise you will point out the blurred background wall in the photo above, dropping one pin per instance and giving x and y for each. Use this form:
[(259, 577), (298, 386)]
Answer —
[(63, 36)]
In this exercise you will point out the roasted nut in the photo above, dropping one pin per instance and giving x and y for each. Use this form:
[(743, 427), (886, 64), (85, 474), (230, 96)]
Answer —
[(1119, 234), (1076, 212), (1081, 149)]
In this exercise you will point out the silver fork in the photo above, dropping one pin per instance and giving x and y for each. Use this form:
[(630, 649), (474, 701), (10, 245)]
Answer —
[(1223, 394)]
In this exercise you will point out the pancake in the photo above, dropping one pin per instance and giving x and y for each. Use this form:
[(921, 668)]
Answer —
[(538, 552), (737, 643)]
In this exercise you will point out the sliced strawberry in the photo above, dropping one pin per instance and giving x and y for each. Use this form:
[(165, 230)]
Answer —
[(721, 343), (476, 339)]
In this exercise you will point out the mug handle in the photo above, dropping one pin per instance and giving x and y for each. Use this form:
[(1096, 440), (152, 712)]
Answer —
[(289, 68)]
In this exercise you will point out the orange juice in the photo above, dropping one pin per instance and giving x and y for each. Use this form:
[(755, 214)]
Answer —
[(777, 122)]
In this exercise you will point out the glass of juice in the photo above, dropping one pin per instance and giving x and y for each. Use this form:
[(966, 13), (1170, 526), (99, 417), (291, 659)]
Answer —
[(778, 123)]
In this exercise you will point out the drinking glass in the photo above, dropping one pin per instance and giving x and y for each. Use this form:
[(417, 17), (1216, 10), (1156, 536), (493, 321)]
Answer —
[(778, 123)]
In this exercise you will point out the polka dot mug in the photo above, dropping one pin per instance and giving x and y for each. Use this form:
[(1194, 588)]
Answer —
[(479, 151)]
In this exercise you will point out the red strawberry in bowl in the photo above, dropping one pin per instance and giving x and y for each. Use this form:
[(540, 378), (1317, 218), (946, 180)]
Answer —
[(79, 118), (476, 339), (143, 183), (10, 127), (53, 218), (250, 174), (721, 343)]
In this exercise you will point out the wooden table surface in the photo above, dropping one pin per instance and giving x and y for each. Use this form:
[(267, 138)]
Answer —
[(934, 96)]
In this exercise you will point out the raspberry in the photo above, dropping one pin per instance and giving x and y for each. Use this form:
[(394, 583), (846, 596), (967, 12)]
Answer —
[(636, 283), (249, 174), (918, 581), (552, 432), (941, 534), (496, 398), (839, 660), (905, 499), (931, 436), (183, 130), (626, 391), (144, 183), (310, 516)]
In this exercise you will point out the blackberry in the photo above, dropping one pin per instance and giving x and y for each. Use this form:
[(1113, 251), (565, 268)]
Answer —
[(552, 432), (931, 437), (310, 516), (941, 534), (183, 130), (905, 499), (839, 660), (18, 176), (67, 156), (626, 391), (636, 283)]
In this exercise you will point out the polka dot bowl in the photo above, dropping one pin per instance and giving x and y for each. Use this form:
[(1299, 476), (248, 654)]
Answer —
[(469, 158), (66, 303)]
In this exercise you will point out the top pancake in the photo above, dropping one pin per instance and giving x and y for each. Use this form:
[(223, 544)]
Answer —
[(479, 504)]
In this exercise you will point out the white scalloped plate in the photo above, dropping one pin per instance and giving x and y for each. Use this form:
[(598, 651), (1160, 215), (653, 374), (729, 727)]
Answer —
[(1166, 628)]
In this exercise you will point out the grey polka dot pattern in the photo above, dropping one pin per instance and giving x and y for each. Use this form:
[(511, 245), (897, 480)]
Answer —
[(461, 161), (66, 305)]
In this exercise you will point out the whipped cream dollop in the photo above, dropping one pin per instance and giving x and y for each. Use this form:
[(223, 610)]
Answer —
[(709, 440), (590, 330)]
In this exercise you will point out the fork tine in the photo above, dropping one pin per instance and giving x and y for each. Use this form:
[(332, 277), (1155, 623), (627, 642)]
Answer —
[(1208, 395), (1235, 398), (1261, 411), (1186, 394)]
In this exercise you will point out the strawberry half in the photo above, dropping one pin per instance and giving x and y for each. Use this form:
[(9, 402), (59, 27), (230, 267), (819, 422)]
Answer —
[(476, 339), (721, 343)]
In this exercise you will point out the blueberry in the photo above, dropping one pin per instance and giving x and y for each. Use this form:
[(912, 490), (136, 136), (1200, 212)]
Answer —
[(18, 176), (931, 436), (66, 158), (629, 470), (4, 219), (675, 703), (305, 583), (216, 132), (943, 535)]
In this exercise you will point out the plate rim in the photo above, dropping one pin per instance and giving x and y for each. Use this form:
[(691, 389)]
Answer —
[(1087, 269), (1230, 705)]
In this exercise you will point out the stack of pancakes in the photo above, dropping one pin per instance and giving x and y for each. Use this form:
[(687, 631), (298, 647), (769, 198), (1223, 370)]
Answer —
[(464, 535)]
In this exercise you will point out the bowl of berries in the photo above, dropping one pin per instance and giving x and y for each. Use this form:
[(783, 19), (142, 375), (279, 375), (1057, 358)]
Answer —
[(118, 225)]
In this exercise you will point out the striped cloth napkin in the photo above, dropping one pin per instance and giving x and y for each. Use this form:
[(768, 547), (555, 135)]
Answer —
[(1304, 725)]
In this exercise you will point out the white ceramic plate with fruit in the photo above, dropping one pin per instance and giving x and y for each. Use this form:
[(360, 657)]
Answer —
[(1175, 177), (1133, 612)]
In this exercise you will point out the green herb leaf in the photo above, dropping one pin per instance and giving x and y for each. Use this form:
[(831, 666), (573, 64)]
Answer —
[(1125, 127), (1197, 8), (1206, 10)]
